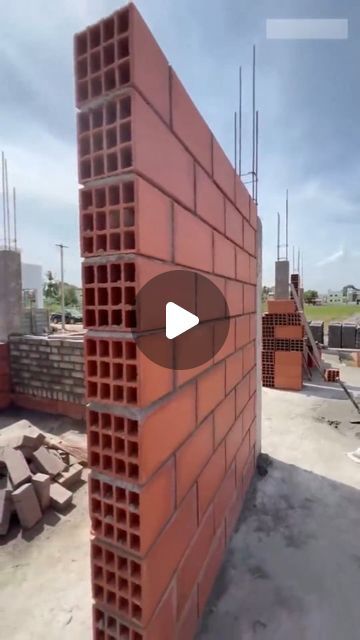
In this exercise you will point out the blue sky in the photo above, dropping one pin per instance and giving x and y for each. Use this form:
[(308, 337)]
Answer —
[(308, 96)]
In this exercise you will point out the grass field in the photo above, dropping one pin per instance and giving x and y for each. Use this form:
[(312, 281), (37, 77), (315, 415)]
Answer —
[(331, 312)]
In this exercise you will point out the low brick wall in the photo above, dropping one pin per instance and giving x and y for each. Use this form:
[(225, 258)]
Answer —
[(48, 374)]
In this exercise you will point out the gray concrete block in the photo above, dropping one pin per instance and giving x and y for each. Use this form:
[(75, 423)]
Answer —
[(48, 463), (70, 477), (41, 484), (335, 331), (60, 498), (357, 343), (282, 277), (27, 506), (17, 467), (317, 330), (5, 511), (348, 335)]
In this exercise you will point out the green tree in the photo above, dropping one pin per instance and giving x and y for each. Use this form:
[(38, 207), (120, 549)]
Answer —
[(310, 296), (265, 293), (70, 296), (51, 288)]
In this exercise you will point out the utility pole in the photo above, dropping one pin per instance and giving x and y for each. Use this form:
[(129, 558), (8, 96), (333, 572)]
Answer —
[(62, 247)]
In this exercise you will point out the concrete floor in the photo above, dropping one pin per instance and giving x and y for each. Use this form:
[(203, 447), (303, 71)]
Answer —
[(293, 567)]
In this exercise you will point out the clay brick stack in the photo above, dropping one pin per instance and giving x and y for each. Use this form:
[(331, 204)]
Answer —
[(33, 477), (5, 388), (171, 452), (283, 346)]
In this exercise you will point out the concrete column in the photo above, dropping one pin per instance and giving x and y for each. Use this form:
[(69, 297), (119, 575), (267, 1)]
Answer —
[(10, 293), (259, 337), (282, 278)]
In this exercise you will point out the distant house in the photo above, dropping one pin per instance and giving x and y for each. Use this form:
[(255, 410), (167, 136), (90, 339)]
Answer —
[(333, 297)]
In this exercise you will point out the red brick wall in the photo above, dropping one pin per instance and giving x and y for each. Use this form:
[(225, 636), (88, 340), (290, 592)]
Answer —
[(171, 453)]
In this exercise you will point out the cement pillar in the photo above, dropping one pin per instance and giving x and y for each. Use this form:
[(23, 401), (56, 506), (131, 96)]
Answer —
[(10, 293), (258, 337), (282, 279)]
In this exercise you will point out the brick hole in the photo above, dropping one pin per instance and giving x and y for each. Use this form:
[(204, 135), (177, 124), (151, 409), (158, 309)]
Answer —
[(136, 612), (111, 624), (90, 317), (103, 318), (96, 506), (97, 118), (93, 422), (95, 487), (100, 221), (136, 592), (100, 635), (81, 44), (84, 146), (132, 428), (95, 36), (92, 368), (108, 530), (83, 90), (98, 592), (85, 169), (110, 598), (88, 245), (111, 113), (101, 274), (134, 500), (101, 242), (111, 138), (133, 449), (125, 108), (92, 389), (97, 553), (86, 199), (125, 132), (109, 54), (94, 439), (118, 393), (128, 217), (90, 297), (96, 86), (98, 165), (119, 445), (108, 29), (129, 240), (131, 373), (121, 536), (122, 21), (112, 162), (129, 272), (133, 471), (108, 492), (120, 516), (104, 369), (104, 391), (100, 198), (137, 636), (120, 467), (98, 573), (134, 521), (126, 157), (110, 80), (95, 62), (88, 222), (123, 585), (130, 319), (117, 350), (94, 459), (110, 578), (119, 426), (120, 495), (114, 196), (115, 273), (102, 297), (114, 219), (82, 68), (98, 141), (115, 242), (130, 296), (123, 48), (128, 192), (118, 371), (107, 463), (116, 318), (124, 73), (130, 350), (134, 542), (91, 350)]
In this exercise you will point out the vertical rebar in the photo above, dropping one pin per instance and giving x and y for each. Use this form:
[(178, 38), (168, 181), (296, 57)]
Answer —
[(253, 121), (278, 236), (15, 222), (3, 196), (7, 204), (293, 260), (299, 262), (240, 120), (235, 140), (287, 225), (257, 157)]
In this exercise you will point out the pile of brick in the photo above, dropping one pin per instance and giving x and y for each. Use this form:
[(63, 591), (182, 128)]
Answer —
[(171, 453), (4, 375), (33, 477), (283, 346)]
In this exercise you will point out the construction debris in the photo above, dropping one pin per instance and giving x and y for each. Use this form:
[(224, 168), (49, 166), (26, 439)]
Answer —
[(35, 474)]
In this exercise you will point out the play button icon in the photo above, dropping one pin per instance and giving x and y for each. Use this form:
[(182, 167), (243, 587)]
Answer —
[(182, 319), (178, 320)]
